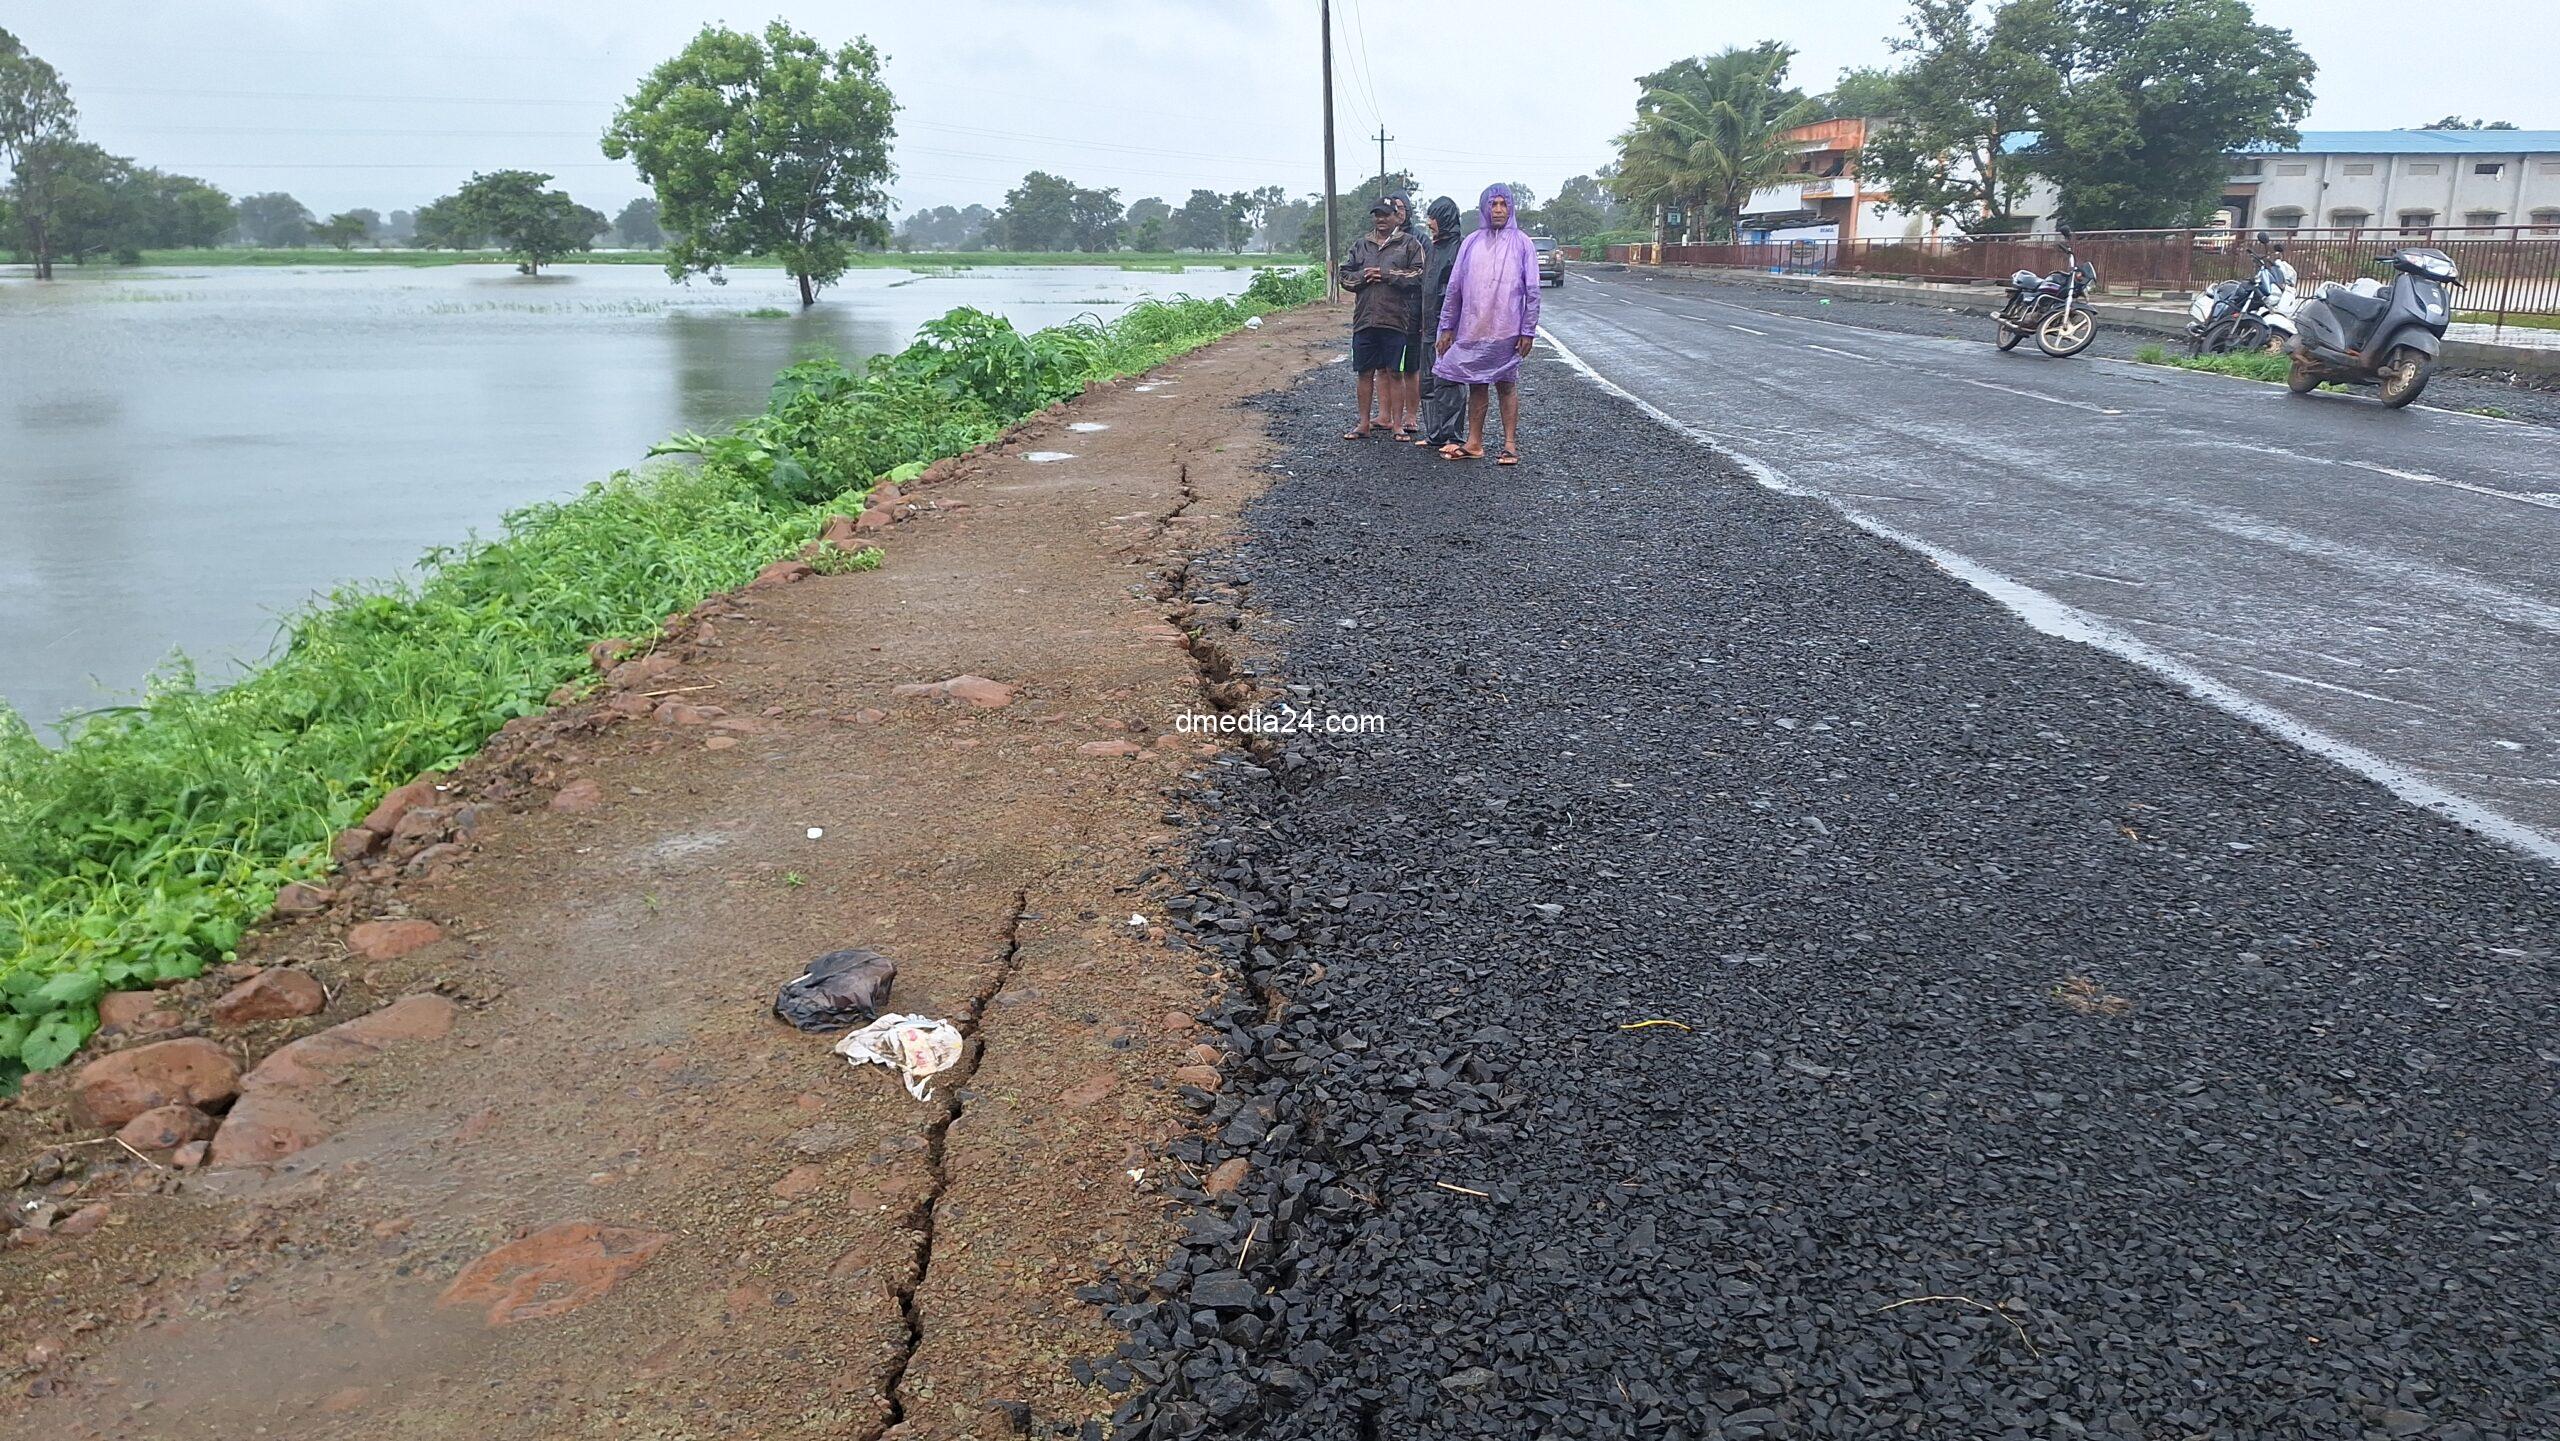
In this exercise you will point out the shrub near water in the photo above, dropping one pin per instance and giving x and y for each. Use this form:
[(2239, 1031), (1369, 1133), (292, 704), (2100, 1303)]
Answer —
[(145, 847)]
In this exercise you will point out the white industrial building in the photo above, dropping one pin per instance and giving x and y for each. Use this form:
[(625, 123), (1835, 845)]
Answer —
[(2399, 180)]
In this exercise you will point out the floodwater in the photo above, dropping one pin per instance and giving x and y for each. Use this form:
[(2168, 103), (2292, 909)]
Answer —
[(188, 455)]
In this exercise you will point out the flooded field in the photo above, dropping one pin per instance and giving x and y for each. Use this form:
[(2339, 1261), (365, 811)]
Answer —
[(186, 455)]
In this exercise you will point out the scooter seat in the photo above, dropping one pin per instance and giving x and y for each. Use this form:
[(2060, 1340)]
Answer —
[(2362, 309)]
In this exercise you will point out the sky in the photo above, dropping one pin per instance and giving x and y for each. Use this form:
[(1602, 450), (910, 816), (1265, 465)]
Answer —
[(366, 104)]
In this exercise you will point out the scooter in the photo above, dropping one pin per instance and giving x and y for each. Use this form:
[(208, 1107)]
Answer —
[(2246, 314), (2364, 334), (2053, 308)]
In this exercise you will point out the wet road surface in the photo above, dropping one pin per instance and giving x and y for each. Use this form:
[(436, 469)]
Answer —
[(2381, 586)]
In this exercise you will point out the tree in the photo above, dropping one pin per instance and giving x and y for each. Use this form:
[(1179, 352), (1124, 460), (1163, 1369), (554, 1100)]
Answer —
[(340, 231), (273, 220), (535, 225), (446, 224), (1709, 132), (185, 213), (1265, 199), (637, 225), (1289, 227), (1861, 93), (1093, 219), (2154, 95), (80, 203), (37, 118), (2456, 122), (768, 146), (1238, 211), (1968, 92), (1149, 224), (1201, 223), (1038, 214), (400, 227)]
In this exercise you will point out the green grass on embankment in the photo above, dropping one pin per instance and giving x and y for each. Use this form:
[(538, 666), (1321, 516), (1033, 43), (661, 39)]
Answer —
[(2528, 322), (146, 845), (2247, 364), (864, 260)]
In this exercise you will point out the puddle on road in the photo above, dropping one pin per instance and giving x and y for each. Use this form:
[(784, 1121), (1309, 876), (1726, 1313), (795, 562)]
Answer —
[(1044, 457), (1087, 427)]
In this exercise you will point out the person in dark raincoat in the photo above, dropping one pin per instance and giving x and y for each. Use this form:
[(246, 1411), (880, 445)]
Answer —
[(1444, 403)]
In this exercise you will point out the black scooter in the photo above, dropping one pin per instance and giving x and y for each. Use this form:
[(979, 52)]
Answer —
[(2389, 337)]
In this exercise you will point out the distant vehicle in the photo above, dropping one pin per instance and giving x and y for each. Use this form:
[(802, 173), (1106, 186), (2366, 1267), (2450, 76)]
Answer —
[(2365, 334), (2052, 308), (1550, 260), (2246, 314)]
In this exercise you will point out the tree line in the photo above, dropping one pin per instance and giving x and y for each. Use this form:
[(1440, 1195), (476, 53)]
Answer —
[(2127, 108)]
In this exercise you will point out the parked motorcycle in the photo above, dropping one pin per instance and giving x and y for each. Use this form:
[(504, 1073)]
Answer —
[(2246, 314), (2364, 334), (2053, 308)]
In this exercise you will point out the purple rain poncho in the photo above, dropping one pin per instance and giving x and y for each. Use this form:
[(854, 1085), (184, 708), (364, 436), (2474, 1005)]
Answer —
[(1493, 299)]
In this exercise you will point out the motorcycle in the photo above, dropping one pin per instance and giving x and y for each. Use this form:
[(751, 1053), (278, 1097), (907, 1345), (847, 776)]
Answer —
[(2246, 314), (2364, 334), (2053, 308)]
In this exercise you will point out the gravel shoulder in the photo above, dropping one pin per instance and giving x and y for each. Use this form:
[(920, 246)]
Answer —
[(2523, 398), (1756, 987)]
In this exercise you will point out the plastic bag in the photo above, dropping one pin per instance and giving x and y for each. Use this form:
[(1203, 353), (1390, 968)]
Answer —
[(840, 989), (918, 1048)]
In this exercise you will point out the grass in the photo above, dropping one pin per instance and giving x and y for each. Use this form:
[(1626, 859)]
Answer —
[(865, 260), (2528, 322), (143, 848), (2248, 364), (766, 312)]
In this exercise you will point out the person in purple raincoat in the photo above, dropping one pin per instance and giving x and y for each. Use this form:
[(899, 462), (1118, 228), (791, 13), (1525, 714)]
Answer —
[(1488, 322)]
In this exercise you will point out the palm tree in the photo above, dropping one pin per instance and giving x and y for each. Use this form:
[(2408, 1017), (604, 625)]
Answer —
[(1709, 132)]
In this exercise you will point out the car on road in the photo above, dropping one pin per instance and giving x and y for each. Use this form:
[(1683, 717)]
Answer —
[(1550, 260)]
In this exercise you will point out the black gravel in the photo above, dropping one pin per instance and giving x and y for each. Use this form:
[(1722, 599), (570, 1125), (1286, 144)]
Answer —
[(2517, 396), (2058, 1057)]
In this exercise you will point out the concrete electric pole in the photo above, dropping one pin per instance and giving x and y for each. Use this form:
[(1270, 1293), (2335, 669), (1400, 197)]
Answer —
[(1331, 254)]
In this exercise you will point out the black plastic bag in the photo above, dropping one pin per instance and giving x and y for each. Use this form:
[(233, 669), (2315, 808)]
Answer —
[(840, 990)]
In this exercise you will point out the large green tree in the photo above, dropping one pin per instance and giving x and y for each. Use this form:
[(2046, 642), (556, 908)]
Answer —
[(1968, 92), (37, 123), (186, 213), (2154, 95), (512, 209), (1711, 130), (341, 231), (637, 225), (1093, 219), (273, 220), (1038, 214), (768, 145)]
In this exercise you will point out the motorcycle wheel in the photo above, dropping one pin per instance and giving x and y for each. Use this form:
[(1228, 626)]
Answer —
[(2302, 379), (2248, 333), (2063, 337), (2005, 335), (2198, 339), (2405, 376)]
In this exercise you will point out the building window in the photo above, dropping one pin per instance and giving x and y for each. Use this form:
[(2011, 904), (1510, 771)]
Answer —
[(2359, 167), (2546, 222), (2247, 167), (2426, 167), (2484, 217), (2490, 167), (2297, 168), (2417, 222), (2349, 219), (2286, 219)]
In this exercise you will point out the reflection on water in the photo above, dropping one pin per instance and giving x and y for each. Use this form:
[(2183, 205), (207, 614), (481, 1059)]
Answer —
[(187, 454)]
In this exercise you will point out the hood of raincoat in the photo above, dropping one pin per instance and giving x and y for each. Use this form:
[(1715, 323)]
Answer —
[(1484, 206), (1445, 211)]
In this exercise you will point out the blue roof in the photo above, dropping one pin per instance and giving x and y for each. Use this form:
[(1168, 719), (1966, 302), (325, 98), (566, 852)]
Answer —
[(2415, 142)]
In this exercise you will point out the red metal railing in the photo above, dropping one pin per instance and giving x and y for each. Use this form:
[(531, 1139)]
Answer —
[(2507, 271)]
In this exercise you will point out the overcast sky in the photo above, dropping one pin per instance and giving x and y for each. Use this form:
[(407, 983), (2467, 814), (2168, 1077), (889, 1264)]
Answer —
[(348, 104)]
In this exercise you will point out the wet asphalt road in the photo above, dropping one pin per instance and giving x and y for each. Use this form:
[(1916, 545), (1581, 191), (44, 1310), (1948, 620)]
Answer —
[(2056, 1056), (2389, 581)]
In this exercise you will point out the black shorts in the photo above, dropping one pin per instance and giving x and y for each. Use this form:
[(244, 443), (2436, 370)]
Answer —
[(1416, 354), (1379, 348)]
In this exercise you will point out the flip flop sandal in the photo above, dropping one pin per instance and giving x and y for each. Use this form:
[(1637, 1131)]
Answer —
[(1361, 434), (1509, 457)]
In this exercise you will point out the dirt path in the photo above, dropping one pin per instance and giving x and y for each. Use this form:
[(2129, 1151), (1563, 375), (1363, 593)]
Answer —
[(776, 1244)]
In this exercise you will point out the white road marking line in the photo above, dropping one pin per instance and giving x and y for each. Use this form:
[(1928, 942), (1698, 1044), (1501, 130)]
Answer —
[(1745, 329), (2053, 617), (2540, 499), (1851, 354), (2038, 395)]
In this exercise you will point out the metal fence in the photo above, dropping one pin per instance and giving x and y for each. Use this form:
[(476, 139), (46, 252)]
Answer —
[(2509, 271)]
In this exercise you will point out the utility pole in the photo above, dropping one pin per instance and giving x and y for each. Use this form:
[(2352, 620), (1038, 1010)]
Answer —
[(1382, 137), (1331, 290)]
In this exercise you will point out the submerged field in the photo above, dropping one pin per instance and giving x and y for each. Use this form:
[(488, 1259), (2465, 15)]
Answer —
[(144, 847), (867, 260)]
